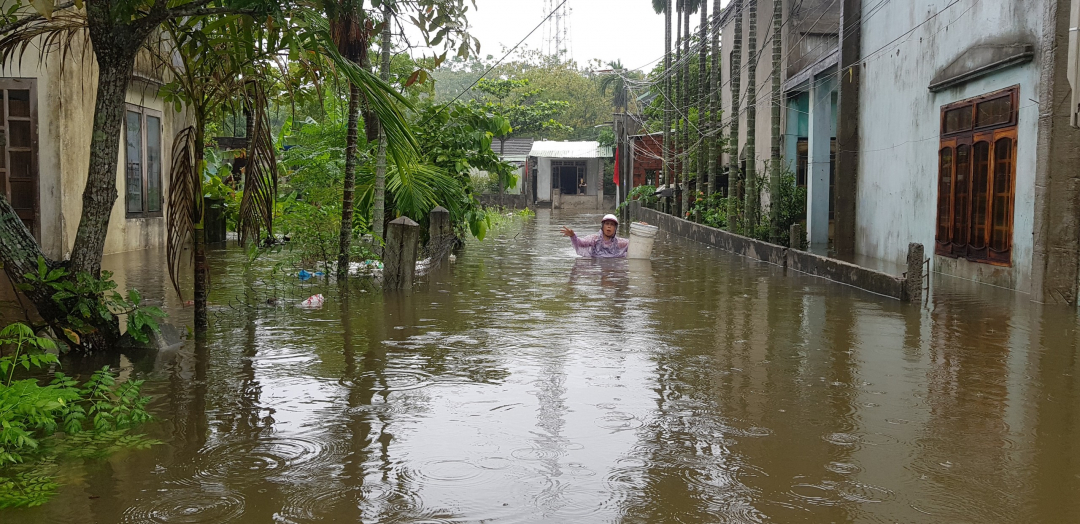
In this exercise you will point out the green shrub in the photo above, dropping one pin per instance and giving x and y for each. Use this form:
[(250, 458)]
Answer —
[(87, 300), (41, 424)]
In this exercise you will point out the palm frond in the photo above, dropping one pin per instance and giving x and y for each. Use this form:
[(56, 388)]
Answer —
[(414, 189), (65, 32), (382, 99), (185, 202), (261, 173)]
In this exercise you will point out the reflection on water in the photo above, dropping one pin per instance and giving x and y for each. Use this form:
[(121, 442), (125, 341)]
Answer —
[(524, 385)]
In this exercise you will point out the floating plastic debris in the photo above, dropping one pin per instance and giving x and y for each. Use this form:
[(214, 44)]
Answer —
[(312, 302), (303, 275)]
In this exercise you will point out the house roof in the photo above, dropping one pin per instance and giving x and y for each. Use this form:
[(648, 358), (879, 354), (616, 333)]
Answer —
[(514, 148), (584, 149)]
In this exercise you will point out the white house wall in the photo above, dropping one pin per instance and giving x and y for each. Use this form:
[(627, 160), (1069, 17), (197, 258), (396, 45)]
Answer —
[(543, 180), (900, 128)]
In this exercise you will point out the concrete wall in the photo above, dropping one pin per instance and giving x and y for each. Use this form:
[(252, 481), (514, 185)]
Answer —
[(828, 268), (65, 113), (896, 197)]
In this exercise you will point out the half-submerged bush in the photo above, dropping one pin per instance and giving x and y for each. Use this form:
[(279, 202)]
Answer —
[(41, 424)]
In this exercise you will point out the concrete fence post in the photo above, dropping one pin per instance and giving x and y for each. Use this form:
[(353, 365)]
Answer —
[(795, 240), (439, 235), (913, 279), (399, 255), (556, 198)]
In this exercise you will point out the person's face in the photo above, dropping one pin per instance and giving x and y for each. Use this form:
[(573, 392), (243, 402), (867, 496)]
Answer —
[(609, 228)]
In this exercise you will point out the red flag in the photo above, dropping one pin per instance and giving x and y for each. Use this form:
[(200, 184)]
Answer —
[(616, 166)]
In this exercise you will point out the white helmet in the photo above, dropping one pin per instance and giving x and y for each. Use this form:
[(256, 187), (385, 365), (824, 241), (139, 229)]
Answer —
[(610, 217)]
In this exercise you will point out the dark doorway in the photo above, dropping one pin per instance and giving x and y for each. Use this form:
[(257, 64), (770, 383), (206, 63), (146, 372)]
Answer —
[(568, 176)]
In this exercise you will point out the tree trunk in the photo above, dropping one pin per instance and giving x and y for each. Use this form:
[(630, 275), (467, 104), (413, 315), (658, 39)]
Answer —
[(680, 148), (667, 93), (379, 211), (703, 57), (736, 81), (99, 194), (198, 237), (687, 195), (714, 99), (753, 200), (349, 184), (774, 157)]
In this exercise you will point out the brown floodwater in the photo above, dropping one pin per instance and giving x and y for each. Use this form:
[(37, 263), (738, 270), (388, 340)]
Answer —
[(524, 385)]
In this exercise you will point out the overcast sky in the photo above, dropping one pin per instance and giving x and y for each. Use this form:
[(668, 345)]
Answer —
[(606, 29)]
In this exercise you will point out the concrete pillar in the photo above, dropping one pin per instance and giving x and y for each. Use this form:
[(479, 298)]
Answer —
[(399, 256), (817, 178), (440, 235), (795, 238), (556, 198), (913, 282)]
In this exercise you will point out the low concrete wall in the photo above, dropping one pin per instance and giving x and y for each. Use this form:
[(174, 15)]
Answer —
[(506, 200), (801, 261)]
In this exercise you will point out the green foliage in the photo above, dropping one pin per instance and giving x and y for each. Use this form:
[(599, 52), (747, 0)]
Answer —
[(219, 184), (94, 418), (645, 194), (87, 301), (527, 114), (791, 200)]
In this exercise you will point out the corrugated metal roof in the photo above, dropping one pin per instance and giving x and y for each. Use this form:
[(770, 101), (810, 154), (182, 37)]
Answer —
[(514, 147), (585, 149)]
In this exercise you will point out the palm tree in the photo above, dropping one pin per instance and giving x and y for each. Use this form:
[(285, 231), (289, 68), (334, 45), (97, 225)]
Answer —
[(214, 66), (736, 80), (774, 157), (352, 37), (688, 7), (664, 6), (753, 199), (714, 99), (680, 148), (616, 83), (702, 81)]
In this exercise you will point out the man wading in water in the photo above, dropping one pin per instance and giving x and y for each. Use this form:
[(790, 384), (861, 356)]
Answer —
[(605, 244)]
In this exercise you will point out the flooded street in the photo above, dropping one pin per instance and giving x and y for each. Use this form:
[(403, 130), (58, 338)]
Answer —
[(524, 385)]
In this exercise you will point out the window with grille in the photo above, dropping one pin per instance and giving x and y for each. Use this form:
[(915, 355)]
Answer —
[(977, 178), (142, 166)]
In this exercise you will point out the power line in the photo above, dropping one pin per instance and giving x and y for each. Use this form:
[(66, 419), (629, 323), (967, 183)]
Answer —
[(496, 64)]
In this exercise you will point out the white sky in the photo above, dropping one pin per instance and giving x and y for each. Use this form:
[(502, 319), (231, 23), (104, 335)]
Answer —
[(606, 29)]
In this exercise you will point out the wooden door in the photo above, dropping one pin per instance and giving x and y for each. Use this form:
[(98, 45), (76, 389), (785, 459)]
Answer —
[(18, 150)]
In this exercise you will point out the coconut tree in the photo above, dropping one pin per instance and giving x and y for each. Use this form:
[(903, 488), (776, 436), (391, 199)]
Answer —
[(616, 83)]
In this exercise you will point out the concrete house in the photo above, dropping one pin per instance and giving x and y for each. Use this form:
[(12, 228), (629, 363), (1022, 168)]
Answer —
[(568, 174), (46, 118), (945, 123), (516, 151)]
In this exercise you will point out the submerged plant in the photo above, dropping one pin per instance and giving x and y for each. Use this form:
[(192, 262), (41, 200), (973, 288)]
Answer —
[(42, 424)]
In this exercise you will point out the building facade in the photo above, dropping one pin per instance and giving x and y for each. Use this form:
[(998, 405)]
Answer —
[(944, 123), (46, 115)]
